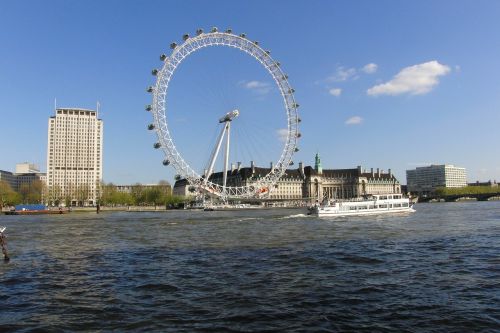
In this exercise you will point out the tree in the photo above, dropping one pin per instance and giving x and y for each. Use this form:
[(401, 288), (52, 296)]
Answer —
[(55, 195), (8, 196), (82, 194), (138, 194), (107, 192), (153, 196), (35, 191)]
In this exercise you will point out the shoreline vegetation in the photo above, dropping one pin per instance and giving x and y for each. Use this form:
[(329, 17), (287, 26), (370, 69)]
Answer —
[(467, 190)]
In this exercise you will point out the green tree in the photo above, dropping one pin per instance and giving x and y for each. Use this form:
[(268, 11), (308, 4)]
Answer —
[(107, 193), (82, 194), (35, 191), (153, 196), (8, 197), (55, 195), (138, 194), (24, 191)]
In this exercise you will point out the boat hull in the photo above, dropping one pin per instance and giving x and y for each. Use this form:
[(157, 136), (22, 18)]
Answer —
[(36, 212), (329, 212)]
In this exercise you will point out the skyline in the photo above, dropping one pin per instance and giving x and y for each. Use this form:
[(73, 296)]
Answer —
[(365, 100)]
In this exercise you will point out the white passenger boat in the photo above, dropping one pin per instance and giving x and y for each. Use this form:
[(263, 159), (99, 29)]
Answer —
[(375, 204)]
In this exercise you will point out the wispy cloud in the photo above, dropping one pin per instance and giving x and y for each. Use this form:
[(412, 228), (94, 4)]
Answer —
[(282, 134), (258, 87), (415, 80), (342, 74), (370, 68), (356, 120), (335, 92)]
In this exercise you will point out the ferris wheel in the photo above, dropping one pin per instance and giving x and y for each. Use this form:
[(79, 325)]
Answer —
[(158, 108)]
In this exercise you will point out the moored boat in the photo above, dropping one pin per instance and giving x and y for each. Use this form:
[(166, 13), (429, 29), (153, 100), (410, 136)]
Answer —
[(35, 210), (375, 204)]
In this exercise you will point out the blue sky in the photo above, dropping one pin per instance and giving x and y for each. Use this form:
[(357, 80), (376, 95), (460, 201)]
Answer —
[(387, 84)]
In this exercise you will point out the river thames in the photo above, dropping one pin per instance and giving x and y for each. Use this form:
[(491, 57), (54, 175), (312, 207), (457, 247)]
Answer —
[(436, 270)]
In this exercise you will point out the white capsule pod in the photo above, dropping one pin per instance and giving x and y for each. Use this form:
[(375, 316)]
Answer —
[(149, 89), (154, 72), (151, 127), (166, 162), (163, 57), (148, 107), (157, 145)]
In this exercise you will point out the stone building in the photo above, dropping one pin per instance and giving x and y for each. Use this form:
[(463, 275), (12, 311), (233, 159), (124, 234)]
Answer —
[(308, 183), (347, 183)]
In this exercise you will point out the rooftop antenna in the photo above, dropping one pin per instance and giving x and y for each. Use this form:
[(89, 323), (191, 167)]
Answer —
[(98, 105), (55, 103)]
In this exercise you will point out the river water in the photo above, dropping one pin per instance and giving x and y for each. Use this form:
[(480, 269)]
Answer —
[(436, 270)]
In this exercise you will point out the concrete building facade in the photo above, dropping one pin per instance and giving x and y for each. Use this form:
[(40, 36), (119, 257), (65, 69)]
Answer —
[(424, 180), (9, 178), (74, 157), (26, 173)]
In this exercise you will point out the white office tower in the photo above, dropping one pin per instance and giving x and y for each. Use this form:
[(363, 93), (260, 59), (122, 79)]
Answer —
[(74, 157), (426, 179)]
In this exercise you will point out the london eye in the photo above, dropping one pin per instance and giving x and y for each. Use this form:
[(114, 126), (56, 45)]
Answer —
[(201, 180)]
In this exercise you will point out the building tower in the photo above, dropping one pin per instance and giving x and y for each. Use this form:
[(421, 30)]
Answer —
[(74, 157), (317, 164)]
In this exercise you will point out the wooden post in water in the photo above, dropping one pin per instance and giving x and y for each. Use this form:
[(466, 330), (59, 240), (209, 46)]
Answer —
[(3, 243)]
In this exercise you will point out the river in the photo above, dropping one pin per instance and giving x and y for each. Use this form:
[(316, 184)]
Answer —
[(435, 270)]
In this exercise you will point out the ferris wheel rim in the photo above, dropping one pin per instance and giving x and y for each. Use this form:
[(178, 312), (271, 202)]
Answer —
[(159, 109)]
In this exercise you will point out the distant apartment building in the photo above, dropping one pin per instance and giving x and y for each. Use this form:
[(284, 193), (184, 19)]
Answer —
[(424, 180), (74, 157), (489, 183), (9, 178), (25, 174)]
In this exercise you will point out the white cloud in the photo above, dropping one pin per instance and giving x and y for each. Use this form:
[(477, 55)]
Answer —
[(335, 91), (415, 80), (282, 134), (356, 120), (257, 86), (342, 74), (370, 68)]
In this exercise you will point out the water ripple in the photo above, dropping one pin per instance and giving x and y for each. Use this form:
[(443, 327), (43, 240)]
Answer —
[(437, 270)]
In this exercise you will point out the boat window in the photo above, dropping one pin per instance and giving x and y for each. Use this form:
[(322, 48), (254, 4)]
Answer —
[(352, 208), (405, 204), (383, 197), (371, 207), (382, 206), (397, 205), (362, 207), (389, 197)]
